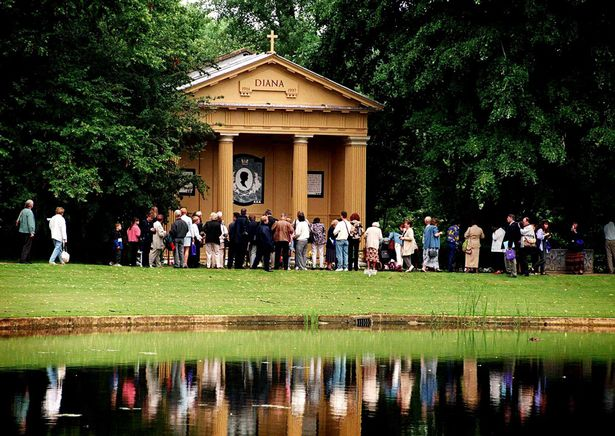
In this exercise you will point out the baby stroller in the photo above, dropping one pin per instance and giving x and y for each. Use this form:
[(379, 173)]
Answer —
[(387, 256)]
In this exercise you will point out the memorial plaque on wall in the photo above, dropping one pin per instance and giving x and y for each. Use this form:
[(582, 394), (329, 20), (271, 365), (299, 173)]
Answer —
[(248, 179), (316, 184), (188, 188)]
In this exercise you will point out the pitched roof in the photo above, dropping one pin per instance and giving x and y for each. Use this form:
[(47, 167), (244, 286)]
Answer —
[(242, 60)]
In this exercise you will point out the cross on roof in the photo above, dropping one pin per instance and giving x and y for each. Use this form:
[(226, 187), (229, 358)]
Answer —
[(272, 37)]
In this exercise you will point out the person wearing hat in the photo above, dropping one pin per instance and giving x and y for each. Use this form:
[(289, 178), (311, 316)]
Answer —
[(373, 237)]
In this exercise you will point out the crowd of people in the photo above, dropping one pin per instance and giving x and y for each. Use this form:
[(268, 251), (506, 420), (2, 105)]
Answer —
[(248, 241)]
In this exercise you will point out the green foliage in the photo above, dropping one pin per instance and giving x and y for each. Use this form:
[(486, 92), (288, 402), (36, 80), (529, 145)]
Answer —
[(296, 22), (491, 107), (91, 117)]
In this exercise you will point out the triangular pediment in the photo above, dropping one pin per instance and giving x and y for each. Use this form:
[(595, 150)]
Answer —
[(270, 81)]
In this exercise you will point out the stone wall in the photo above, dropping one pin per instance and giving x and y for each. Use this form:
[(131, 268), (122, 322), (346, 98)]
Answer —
[(556, 260)]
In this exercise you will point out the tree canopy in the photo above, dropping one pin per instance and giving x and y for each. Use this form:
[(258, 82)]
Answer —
[(90, 115), (490, 107)]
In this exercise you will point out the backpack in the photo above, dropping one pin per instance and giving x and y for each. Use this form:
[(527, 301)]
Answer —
[(168, 242)]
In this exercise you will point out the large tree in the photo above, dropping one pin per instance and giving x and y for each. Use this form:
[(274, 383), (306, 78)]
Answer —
[(90, 115), (490, 106)]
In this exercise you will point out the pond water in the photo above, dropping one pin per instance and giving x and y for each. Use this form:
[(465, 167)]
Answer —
[(309, 383)]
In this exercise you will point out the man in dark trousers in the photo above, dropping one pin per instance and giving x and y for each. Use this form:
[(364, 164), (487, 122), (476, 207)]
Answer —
[(264, 244), (147, 235), (231, 243), (239, 237), (179, 230), (511, 241), (26, 226)]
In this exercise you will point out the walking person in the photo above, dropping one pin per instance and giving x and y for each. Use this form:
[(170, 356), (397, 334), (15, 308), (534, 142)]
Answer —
[(609, 245), (213, 237), (57, 225), (431, 245), (331, 252), (409, 247), (497, 258), (179, 230), (342, 232), (373, 238), (575, 257), (264, 244), (319, 240), (26, 226), (510, 243), (282, 232), (356, 231), (452, 240), (158, 234), (301, 236), (472, 254), (134, 236)]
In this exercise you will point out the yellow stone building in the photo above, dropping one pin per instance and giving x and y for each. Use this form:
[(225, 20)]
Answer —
[(288, 139)]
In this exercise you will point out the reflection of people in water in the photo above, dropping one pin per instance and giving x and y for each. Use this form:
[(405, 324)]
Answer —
[(21, 405), (53, 395)]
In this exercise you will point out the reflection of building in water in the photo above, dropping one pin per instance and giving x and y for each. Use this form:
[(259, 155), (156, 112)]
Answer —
[(470, 383), (328, 396), (53, 394), (406, 383)]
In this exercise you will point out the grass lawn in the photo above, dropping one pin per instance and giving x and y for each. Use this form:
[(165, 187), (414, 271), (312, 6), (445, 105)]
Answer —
[(84, 290)]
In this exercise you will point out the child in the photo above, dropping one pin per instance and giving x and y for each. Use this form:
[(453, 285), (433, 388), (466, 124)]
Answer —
[(118, 245)]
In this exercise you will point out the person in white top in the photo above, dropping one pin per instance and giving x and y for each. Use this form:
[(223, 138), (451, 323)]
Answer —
[(341, 232), (609, 241), (373, 237), (497, 237), (196, 238), (410, 245), (188, 238), (57, 225), (301, 236)]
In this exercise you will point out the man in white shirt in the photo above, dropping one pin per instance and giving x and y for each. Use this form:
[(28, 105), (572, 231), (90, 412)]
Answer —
[(609, 241), (341, 232)]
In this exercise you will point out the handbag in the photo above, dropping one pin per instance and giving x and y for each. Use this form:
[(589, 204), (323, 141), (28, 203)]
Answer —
[(465, 244), (529, 242), (64, 255), (432, 253), (510, 254), (193, 249)]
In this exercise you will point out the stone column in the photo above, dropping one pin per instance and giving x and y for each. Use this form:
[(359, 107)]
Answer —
[(225, 176), (300, 176), (354, 180)]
